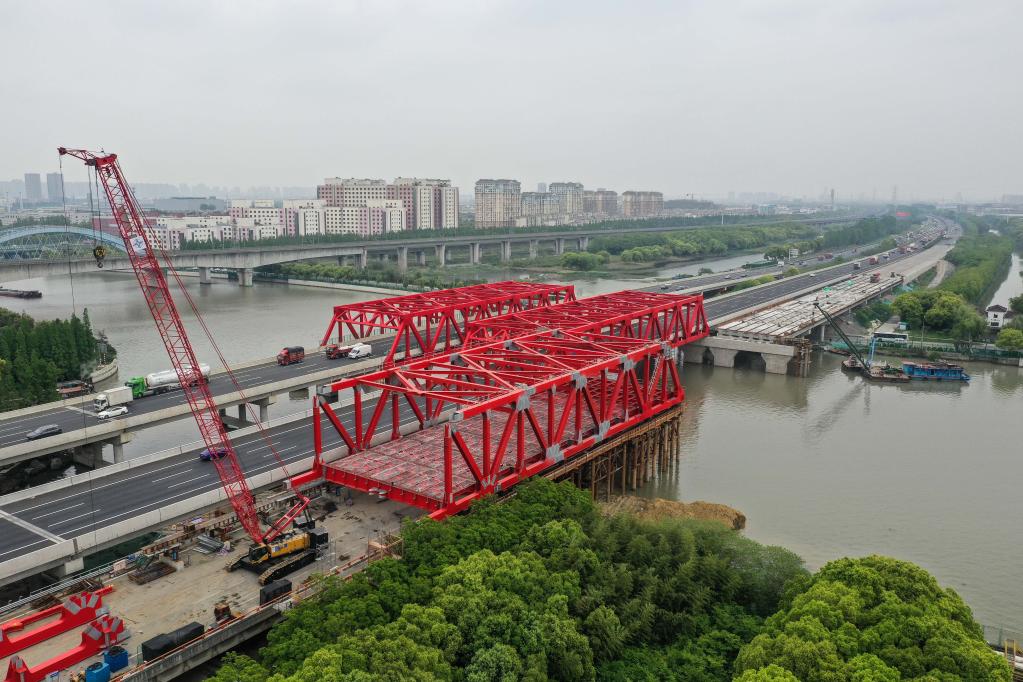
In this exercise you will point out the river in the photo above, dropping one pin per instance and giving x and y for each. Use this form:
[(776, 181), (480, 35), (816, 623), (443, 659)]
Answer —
[(827, 465)]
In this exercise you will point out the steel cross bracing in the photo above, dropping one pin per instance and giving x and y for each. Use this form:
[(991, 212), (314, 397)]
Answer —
[(435, 321), (674, 318), (492, 415), (133, 227)]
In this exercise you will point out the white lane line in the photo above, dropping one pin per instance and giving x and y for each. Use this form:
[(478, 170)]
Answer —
[(175, 485), (98, 487), (163, 478), (20, 548), (270, 454), (88, 513), (35, 518), (42, 532)]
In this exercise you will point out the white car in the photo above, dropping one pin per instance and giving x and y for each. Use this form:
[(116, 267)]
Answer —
[(115, 411)]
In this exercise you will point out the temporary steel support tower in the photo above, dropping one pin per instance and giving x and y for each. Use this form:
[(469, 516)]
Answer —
[(488, 416), (435, 321), (132, 224)]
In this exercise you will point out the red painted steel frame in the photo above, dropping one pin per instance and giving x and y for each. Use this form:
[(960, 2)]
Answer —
[(103, 633), (677, 319), (425, 321), (78, 609), (133, 225), (511, 409)]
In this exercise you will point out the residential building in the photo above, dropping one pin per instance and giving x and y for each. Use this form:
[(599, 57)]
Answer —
[(498, 203), (996, 316), (642, 204), (304, 216), (190, 204), (540, 203), (541, 187), (570, 196), (263, 212), (33, 187), (428, 203), (600, 202), (54, 189)]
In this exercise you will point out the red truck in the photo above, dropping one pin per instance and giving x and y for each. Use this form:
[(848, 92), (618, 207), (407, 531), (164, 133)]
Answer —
[(291, 355), (336, 352), (873, 260), (876, 277)]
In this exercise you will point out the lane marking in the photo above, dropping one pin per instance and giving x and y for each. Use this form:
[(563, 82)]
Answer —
[(59, 511), (72, 518), (41, 532), (175, 485), (163, 478), (19, 548), (87, 492)]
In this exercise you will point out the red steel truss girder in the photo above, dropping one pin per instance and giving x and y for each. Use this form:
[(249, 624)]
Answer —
[(423, 320), (512, 410), (674, 318)]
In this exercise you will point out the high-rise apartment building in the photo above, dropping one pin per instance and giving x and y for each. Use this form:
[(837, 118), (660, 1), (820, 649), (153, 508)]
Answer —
[(53, 187), (600, 202), (33, 187), (498, 202), (540, 203), (570, 195), (541, 187), (428, 204), (640, 204)]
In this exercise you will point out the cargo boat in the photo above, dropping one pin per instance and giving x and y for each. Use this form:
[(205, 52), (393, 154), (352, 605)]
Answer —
[(851, 364), (18, 293), (935, 371), (886, 373)]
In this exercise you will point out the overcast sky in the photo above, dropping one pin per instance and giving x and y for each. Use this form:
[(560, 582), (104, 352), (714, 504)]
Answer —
[(790, 96)]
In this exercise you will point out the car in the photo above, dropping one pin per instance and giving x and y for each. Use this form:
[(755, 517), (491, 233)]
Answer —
[(665, 287), (44, 431), (729, 276), (209, 454), (813, 274), (115, 411)]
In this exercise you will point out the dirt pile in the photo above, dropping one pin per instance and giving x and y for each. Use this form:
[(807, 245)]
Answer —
[(655, 509)]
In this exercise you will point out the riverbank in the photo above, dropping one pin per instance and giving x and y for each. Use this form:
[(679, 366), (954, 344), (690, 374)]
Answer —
[(658, 509)]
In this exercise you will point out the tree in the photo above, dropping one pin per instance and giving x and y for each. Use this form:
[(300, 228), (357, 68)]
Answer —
[(1016, 304), (874, 618), (776, 253), (1010, 339)]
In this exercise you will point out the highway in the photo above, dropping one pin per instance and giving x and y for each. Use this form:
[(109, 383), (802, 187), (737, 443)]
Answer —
[(51, 517)]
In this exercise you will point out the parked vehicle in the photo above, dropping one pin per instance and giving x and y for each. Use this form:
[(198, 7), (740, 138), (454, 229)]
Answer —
[(115, 411), (73, 389), (160, 382), (209, 454), (290, 355), (360, 350), (121, 395), (44, 431), (336, 352)]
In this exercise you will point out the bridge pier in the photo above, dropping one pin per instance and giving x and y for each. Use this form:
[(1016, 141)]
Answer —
[(506, 247), (534, 248), (244, 277), (559, 246), (204, 276), (441, 253), (420, 257), (475, 252), (402, 259), (584, 243), (721, 351), (363, 259)]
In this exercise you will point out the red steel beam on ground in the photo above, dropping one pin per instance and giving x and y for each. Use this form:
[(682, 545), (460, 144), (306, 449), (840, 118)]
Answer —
[(103, 633), (677, 319), (510, 410), (424, 321), (78, 609)]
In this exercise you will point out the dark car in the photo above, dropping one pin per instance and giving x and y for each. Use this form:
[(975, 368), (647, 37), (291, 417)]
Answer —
[(44, 431), (212, 453)]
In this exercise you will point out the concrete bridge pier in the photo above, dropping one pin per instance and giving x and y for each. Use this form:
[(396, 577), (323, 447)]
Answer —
[(584, 243), (724, 351), (204, 276), (402, 259), (534, 248), (475, 252), (420, 257), (244, 277), (363, 259), (506, 247), (118, 445), (559, 246), (441, 254)]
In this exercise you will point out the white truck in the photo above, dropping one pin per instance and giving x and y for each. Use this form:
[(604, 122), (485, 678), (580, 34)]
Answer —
[(120, 395), (360, 350)]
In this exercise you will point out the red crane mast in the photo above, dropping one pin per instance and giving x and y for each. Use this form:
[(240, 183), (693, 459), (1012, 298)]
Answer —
[(131, 222)]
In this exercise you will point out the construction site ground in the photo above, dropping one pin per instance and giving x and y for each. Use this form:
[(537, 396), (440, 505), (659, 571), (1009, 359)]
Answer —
[(190, 594)]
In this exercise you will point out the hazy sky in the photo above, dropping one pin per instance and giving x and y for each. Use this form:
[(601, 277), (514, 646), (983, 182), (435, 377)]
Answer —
[(783, 95)]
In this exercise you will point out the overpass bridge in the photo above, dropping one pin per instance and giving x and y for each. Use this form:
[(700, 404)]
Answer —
[(244, 260)]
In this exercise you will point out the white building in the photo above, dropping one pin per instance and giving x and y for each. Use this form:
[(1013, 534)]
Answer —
[(996, 316)]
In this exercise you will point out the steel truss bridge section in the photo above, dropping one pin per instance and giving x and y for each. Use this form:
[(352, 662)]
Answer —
[(674, 318), (435, 321)]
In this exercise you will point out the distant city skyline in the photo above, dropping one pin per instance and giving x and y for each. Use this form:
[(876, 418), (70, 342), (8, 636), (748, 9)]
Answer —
[(699, 97)]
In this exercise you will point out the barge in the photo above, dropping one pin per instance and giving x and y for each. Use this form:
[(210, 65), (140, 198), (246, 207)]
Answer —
[(19, 293), (935, 371)]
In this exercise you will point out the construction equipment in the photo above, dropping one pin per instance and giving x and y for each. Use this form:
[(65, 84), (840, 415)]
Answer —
[(865, 364), (134, 230)]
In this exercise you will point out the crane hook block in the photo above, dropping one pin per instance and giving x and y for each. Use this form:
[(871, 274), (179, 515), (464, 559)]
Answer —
[(99, 253)]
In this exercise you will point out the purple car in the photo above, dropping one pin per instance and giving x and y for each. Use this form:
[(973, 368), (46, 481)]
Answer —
[(212, 453)]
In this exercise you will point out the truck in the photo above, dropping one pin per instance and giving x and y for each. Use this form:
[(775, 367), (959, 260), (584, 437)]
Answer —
[(876, 277), (857, 265), (159, 382), (73, 389), (360, 350), (289, 355), (121, 395), (336, 352), (873, 260)]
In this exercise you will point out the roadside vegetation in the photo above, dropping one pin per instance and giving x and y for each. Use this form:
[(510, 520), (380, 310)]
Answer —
[(34, 356), (375, 273), (544, 587)]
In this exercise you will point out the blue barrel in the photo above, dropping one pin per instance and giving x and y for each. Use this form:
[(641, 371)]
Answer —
[(116, 657), (97, 672)]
